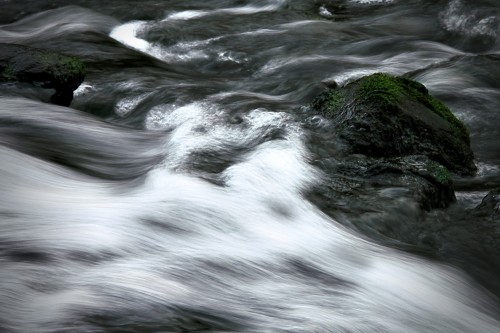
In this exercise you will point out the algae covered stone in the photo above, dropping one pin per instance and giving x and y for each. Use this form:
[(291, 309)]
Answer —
[(43, 68), (381, 115)]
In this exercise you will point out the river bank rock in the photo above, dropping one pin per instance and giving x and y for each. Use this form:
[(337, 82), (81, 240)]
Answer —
[(384, 116), (43, 68)]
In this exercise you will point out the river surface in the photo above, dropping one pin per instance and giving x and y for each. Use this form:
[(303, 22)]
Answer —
[(173, 195)]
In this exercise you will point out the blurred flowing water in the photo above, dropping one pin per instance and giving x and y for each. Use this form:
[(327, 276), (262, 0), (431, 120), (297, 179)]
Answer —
[(176, 201)]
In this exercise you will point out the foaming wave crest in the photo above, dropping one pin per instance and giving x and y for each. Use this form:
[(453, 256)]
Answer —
[(203, 126)]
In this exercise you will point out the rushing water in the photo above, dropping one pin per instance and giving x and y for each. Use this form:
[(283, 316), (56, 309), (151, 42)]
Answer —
[(177, 201)]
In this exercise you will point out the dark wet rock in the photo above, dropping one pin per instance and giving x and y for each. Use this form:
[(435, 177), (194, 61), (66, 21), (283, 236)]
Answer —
[(378, 196), (388, 151), (426, 181), (43, 68), (490, 206), (383, 116), (385, 133)]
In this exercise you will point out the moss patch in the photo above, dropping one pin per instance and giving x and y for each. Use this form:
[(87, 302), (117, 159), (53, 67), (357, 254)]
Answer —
[(329, 102), (383, 89), (73, 65), (442, 174), (388, 91), (63, 67)]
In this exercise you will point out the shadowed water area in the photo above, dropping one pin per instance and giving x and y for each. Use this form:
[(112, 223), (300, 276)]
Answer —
[(183, 190)]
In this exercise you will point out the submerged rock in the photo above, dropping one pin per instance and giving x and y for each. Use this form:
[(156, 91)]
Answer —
[(386, 116), (43, 68)]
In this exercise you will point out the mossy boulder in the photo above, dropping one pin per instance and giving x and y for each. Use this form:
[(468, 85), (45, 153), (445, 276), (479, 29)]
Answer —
[(387, 116), (43, 68)]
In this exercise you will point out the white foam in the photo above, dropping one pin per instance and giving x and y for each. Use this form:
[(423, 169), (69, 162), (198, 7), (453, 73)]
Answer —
[(128, 104), (323, 11), (202, 126), (83, 89), (459, 19), (127, 34), (256, 228)]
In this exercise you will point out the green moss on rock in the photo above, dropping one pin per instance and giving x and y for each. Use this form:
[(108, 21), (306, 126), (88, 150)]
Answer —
[(62, 67), (381, 88), (381, 115), (74, 65), (329, 102), (440, 173), (390, 91), (42, 68)]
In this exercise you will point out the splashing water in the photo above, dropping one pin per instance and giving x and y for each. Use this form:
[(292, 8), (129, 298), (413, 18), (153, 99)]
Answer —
[(184, 206)]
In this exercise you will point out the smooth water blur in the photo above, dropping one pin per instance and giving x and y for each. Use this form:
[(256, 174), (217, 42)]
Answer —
[(177, 200)]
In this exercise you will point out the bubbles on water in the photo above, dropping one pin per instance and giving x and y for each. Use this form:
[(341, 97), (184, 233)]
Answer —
[(458, 18), (202, 126), (475, 23), (128, 104)]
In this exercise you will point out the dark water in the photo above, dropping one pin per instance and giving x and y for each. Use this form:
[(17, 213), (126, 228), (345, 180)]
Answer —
[(176, 202)]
